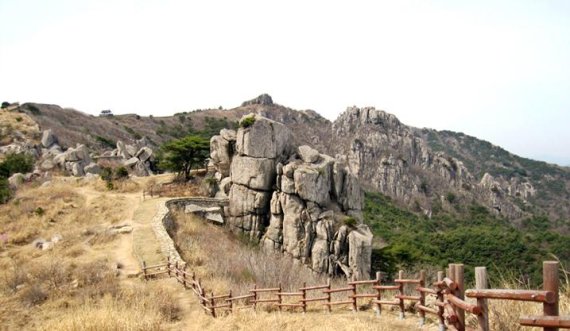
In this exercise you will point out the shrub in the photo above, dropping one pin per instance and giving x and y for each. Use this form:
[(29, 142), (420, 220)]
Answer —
[(15, 163), (39, 211), (32, 296), (33, 109), (4, 190), (18, 119), (106, 174), (5, 104), (247, 122), (350, 222), (121, 173), (450, 197), (106, 142)]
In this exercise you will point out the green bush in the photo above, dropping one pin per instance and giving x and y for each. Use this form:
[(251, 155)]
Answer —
[(5, 104), (15, 163), (4, 190), (247, 121), (106, 174), (106, 142), (350, 222), (121, 173), (33, 109)]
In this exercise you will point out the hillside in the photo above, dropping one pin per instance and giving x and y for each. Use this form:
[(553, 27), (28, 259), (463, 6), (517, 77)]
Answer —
[(424, 170)]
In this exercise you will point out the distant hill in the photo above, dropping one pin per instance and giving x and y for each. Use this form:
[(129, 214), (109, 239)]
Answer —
[(427, 171)]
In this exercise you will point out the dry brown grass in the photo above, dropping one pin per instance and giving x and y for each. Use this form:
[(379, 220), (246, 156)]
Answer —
[(12, 122), (77, 283)]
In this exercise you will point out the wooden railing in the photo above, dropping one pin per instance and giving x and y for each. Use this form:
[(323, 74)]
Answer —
[(449, 305)]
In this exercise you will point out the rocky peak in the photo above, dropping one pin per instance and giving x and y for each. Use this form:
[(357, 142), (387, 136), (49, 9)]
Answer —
[(292, 199), (355, 117), (264, 100)]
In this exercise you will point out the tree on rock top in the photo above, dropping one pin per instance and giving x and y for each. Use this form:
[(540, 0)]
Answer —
[(183, 154)]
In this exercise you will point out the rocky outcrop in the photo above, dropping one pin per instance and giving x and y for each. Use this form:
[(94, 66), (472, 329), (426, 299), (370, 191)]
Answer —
[(137, 158), (292, 199), (391, 158), (264, 100)]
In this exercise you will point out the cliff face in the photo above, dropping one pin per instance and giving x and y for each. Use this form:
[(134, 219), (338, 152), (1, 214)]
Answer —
[(394, 159), (292, 198)]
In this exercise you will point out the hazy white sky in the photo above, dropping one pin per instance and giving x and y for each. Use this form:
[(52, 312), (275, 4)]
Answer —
[(498, 70)]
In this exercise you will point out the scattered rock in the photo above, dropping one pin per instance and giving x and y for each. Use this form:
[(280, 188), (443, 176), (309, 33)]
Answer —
[(48, 138)]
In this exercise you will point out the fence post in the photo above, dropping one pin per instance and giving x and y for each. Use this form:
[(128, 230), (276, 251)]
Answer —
[(354, 305), (440, 299), (168, 265), (176, 270), (193, 279), (422, 297), (231, 302), (401, 292), (279, 298), (144, 270), (460, 293), (481, 283), (304, 297), (550, 281), (379, 294), (213, 304), (254, 297), (184, 275), (329, 296)]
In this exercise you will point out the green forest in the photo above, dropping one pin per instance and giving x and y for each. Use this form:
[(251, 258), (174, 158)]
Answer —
[(405, 240)]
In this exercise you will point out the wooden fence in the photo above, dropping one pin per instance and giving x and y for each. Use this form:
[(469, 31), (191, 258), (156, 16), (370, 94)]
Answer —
[(448, 292)]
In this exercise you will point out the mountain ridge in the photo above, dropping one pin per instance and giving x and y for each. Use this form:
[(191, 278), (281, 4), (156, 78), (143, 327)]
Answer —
[(425, 169)]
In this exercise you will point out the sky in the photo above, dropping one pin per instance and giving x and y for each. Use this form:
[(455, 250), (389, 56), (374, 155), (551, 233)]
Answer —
[(497, 70)]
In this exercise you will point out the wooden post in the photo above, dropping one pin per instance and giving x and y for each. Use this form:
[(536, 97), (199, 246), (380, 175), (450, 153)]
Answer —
[(422, 297), (231, 302), (550, 283), (379, 294), (440, 275), (304, 297), (460, 293), (144, 270), (168, 265), (213, 304), (279, 298), (354, 305), (176, 270), (401, 292), (329, 296), (254, 297), (193, 280), (481, 283), (184, 276)]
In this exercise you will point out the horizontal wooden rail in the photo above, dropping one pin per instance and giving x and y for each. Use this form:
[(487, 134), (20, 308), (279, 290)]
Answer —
[(519, 295), (473, 309), (363, 295), (428, 309), (157, 273), (290, 294), (312, 288), (264, 300), (314, 299), (407, 297), (386, 287), (338, 303), (546, 321), (290, 304), (426, 290), (220, 296), (275, 289), (335, 290), (407, 281), (387, 302), (363, 282), (156, 266), (241, 297)]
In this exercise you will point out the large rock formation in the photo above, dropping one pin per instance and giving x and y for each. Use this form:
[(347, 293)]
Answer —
[(292, 199)]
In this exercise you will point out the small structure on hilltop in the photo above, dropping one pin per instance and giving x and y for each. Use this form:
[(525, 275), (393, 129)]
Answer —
[(291, 199), (106, 113)]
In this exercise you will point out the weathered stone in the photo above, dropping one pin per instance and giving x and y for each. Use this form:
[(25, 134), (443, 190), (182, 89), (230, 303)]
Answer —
[(229, 135), (122, 150), (16, 180), (214, 217), (264, 139), (144, 154), (48, 138), (77, 169), (293, 227), (220, 154), (360, 251), (313, 184), (255, 173), (131, 150), (308, 154), (47, 164), (244, 201), (92, 168), (131, 162)]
